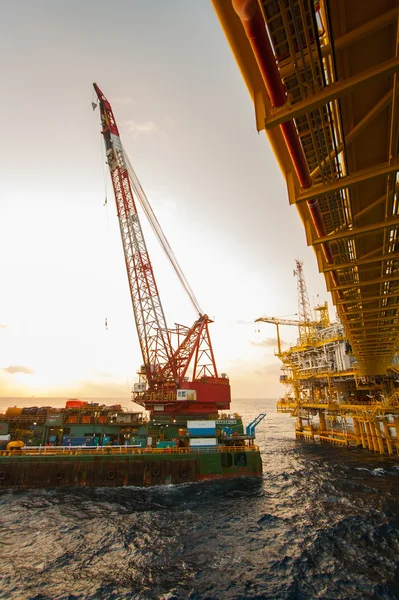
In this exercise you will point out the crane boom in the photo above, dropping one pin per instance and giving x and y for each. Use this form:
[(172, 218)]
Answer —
[(277, 321), (164, 386), (148, 312)]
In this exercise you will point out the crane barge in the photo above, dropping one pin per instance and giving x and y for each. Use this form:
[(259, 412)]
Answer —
[(186, 437)]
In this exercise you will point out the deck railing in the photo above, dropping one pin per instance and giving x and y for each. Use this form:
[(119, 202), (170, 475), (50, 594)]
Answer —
[(119, 450)]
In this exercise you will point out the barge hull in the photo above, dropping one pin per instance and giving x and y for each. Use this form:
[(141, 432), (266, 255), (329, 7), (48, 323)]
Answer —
[(21, 472)]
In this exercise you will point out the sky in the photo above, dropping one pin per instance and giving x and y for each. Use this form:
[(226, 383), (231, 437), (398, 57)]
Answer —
[(188, 125)]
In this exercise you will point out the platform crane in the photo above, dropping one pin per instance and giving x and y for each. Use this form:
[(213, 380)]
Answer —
[(163, 385), (307, 327), (277, 322), (310, 326)]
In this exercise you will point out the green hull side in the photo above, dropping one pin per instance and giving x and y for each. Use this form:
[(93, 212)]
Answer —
[(246, 463), (140, 470)]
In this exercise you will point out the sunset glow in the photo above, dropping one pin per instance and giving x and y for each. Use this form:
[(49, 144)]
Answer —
[(188, 125)]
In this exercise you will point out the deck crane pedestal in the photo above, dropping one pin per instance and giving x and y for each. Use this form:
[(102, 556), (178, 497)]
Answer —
[(164, 385)]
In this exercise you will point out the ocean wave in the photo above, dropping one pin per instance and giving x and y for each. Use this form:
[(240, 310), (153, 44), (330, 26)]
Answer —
[(321, 523)]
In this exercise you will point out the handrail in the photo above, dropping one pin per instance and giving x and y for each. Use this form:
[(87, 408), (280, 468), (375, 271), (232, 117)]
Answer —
[(118, 450)]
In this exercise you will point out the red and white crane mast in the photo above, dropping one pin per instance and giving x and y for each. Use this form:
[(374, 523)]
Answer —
[(148, 312), (164, 368)]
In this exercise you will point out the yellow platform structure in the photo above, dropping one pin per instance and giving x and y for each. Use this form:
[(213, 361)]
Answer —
[(323, 77)]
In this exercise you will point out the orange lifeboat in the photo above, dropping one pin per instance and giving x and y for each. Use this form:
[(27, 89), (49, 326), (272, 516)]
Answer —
[(74, 403)]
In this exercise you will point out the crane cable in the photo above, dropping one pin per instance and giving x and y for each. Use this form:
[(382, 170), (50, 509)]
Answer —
[(141, 195), (105, 205)]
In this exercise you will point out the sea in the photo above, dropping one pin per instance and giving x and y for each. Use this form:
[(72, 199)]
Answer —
[(322, 522)]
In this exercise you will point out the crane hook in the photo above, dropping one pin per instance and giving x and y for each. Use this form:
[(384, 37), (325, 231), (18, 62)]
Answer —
[(94, 105), (106, 323)]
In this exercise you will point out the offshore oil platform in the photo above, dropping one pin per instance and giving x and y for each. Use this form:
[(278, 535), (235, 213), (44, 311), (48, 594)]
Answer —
[(326, 392), (323, 78)]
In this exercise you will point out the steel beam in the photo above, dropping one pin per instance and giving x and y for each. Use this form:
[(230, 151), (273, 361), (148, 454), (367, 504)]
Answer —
[(371, 310), (367, 329), (348, 286), (320, 189), (393, 136), (374, 352), (357, 326), (329, 93), (357, 230), (394, 294), (371, 352), (375, 335), (374, 341), (360, 261), (386, 347), (364, 30), (369, 207), (365, 322), (345, 40), (357, 129)]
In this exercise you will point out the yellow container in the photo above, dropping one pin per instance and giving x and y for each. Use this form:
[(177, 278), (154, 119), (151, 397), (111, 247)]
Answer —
[(13, 411), (15, 445)]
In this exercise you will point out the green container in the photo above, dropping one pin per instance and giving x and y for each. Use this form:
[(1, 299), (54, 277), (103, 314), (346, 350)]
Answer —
[(168, 444)]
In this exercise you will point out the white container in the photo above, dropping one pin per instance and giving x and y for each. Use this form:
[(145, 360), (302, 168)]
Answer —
[(201, 424), (139, 387), (187, 395), (124, 418), (201, 442)]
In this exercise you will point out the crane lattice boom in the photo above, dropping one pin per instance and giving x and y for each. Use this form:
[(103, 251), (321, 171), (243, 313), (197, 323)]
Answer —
[(148, 312), (278, 321), (164, 370)]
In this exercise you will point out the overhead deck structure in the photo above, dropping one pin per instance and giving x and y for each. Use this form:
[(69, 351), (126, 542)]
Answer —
[(323, 76)]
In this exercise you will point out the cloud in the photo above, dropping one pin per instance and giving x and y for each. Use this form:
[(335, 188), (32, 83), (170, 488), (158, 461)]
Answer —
[(274, 369), (18, 369), (145, 128), (267, 342)]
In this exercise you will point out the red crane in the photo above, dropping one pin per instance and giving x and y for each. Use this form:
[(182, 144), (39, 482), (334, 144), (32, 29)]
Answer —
[(164, 385)]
